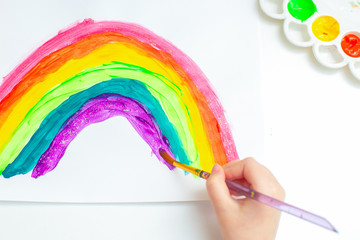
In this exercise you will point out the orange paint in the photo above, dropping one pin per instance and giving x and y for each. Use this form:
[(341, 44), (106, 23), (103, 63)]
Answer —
[(326, 28)]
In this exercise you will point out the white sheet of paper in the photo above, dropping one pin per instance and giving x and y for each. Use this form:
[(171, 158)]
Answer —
[(109, 162)]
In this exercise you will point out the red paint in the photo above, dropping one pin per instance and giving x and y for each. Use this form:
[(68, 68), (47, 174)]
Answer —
[(350, 44)]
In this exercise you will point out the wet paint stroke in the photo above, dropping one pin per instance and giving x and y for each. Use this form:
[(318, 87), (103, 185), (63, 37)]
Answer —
[(93, 71), (96, 110)]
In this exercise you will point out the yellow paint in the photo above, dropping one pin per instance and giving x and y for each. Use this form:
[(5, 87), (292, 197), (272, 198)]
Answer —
[(252, 194), (120, 52), (326, 28)]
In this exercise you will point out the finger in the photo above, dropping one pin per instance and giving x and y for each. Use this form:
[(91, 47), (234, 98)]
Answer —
[(249, 169), (217, 189), (234, 170), (258, 176)]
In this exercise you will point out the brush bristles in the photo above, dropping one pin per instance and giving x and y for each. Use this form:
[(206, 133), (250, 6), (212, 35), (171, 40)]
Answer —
[(167, 157)]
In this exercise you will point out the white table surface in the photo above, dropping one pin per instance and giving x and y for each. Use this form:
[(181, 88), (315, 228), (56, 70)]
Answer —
[(312, 137), (312, 134)]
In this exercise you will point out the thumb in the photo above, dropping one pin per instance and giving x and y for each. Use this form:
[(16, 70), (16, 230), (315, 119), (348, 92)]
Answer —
[(217, 189)]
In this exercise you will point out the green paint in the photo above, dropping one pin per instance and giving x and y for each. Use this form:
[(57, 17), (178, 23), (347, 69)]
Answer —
[(301, 9)]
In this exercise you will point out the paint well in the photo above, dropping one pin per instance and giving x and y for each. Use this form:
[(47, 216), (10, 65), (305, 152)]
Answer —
[(326, 28), (301, 9), (350, 44)]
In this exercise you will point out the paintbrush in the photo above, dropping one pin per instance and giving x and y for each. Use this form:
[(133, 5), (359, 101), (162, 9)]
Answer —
[(238, 189)]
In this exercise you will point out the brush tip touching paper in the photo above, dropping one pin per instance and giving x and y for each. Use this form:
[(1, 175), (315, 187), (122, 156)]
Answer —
[(166, 156)]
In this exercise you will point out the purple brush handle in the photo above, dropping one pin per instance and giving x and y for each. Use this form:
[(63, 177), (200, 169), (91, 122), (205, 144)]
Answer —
[(238, 189)]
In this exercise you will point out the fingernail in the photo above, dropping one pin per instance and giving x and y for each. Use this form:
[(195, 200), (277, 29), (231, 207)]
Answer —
[(216, 168)]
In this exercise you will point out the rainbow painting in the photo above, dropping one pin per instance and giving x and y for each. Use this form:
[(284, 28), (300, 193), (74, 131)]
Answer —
[(93, 71)]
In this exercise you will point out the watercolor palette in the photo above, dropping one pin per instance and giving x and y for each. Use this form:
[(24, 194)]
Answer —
[(331, 27)]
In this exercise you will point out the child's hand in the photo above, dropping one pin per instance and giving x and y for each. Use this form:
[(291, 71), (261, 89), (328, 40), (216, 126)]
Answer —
[(245, 218)]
